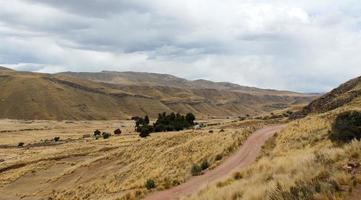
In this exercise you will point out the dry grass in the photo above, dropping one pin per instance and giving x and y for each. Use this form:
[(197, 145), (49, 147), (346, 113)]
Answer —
[(299, 163), (116, 168)]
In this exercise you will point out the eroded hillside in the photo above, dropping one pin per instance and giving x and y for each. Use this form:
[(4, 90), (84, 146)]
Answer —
[(26, 95)]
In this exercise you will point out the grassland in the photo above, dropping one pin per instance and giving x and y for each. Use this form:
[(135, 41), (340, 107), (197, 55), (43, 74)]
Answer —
[(114, 168), (298, 163)]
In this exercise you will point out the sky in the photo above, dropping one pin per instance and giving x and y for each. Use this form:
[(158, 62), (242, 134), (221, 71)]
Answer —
[(306, 46)]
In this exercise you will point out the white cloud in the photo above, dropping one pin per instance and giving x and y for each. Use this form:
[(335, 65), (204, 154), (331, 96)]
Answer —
[(297, 45)]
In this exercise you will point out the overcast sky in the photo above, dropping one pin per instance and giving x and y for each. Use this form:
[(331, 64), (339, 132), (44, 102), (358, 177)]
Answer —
[(309, 46)]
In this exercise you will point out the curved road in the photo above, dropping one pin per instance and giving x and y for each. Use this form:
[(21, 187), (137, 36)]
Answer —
[(243, 157)]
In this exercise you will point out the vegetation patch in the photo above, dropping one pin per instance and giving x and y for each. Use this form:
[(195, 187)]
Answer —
[(196, 170), (346, 127), (150, 184), (165, 122)]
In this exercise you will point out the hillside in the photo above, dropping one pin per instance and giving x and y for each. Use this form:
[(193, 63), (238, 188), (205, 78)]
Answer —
[(166, 80), (26, 95), (346, 93), (301, 161)]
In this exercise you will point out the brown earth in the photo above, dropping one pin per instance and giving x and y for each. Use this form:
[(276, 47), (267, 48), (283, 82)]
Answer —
[(68, 97), (245, 156)]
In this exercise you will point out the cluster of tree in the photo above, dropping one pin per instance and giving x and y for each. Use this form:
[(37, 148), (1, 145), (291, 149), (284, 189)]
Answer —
[(165, 122)]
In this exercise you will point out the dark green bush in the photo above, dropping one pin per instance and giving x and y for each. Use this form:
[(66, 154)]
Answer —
[(145, 131), (346, 127), (21, 144), (204, 165), (106, 135), (196, 170), (56, 139), (150, 184)]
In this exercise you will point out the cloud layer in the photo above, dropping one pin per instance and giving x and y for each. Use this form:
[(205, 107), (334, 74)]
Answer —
[(303, 46)]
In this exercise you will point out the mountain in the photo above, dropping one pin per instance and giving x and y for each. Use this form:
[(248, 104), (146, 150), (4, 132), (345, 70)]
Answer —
[(154, 79), (5, 69), (346, 93), (115, 95)]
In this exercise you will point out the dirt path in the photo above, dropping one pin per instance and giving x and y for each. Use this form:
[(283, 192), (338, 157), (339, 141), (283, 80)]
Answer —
[(245, 156), (356, 194)]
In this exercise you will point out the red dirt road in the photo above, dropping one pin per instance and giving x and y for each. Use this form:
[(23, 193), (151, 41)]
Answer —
[(243, 157)]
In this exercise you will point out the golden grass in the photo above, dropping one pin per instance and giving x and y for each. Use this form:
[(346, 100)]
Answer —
[(300, 158), (116, 168)]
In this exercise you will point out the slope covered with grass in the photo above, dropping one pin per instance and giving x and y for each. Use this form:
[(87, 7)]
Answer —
[(26, 95), (300, 162)]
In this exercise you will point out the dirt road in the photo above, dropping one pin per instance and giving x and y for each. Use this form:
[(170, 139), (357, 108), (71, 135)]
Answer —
[(245, 156)]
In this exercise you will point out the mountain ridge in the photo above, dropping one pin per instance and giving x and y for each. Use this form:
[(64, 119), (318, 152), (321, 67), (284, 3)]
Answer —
[(62, 96), (147, 78)]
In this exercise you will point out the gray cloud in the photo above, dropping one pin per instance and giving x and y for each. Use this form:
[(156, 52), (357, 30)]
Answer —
[(303, 45)]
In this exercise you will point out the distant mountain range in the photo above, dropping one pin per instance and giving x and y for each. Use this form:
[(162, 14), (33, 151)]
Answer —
[(121, 95)]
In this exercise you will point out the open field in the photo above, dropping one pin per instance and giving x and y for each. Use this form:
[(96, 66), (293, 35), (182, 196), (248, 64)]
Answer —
[(114, 168)]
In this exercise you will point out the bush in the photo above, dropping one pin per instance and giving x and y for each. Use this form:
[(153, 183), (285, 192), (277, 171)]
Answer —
[(219, 157), (21, 144), (117, 131), (145, 131), (204, 165), (56, 139), (96, 132), (106, 135), (346, 127), (150, 184), (237, 176), (196, 170)]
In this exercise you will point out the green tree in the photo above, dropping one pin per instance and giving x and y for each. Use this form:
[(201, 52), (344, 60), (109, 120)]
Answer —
[(190, 118), (146, 119)]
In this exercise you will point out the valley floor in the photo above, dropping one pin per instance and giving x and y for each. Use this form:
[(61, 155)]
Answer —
[(81, 167)]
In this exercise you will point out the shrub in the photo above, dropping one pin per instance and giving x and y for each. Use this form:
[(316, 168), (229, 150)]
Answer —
[(145, 131), (219, 157), (210, 131), (196, 170), (96, 132), (237, 176), (21, 144), (106, 135), (56, 139), (346, 127), (204, 165), (150, 184), (117, 131)]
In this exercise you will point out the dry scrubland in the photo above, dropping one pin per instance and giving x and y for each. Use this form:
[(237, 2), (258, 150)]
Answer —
[(298, 163), (114, 168)]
